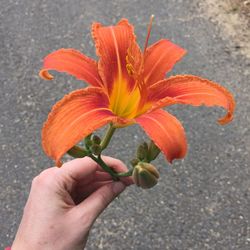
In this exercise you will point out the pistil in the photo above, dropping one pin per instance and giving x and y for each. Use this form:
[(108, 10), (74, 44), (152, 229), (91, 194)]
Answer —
[(148, 34)]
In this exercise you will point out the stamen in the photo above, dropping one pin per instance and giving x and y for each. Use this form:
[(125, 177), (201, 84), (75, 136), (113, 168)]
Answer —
[(148, 34)]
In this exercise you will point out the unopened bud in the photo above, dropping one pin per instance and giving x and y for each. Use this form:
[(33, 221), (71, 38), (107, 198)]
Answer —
[(77, 152), (142, 151), (88, 141), (153, 151), (96, 139), (96, 149), (145, 175)]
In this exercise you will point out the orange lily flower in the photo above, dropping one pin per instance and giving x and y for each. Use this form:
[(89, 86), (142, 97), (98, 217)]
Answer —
[(127, 86)]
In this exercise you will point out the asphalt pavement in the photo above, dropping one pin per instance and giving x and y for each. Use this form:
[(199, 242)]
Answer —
[(201, 202)]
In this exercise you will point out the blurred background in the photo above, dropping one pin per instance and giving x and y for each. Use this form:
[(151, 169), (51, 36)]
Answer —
[(201, 202)]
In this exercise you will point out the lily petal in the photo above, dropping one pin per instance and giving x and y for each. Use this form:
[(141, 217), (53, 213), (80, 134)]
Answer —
[(166, 132), (72, 62), (160, 58), (193, 90), (73, 118), (112, 44)]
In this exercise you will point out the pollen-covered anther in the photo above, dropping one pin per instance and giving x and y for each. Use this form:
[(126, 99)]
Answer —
[(130, 69)]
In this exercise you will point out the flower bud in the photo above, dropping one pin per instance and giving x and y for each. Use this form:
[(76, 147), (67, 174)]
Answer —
[(145, 175), (142, 151), (77, 152), (153, 151), (96, 139), (96, 149), (88, 141)]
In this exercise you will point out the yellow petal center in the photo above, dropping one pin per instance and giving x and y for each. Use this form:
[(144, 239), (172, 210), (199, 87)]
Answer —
[(124, 102)]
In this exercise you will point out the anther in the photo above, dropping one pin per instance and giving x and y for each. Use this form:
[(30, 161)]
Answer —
[(130, 69)]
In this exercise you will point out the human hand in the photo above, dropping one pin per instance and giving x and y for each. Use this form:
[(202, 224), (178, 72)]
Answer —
[(64, 203)]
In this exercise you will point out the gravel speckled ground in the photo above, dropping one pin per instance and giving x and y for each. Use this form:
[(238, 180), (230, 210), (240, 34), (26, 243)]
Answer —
[(201, 202)]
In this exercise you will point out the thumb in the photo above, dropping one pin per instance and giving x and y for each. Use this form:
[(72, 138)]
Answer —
[(100, 199)]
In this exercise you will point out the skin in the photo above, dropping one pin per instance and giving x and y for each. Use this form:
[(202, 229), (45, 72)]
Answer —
[(64, 203)]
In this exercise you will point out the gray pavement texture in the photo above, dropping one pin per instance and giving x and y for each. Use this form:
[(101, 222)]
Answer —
[(201, 202)]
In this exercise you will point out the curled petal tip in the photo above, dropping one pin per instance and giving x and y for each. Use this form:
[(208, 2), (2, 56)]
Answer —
[(196, 91), (225, 120), (44, 74)]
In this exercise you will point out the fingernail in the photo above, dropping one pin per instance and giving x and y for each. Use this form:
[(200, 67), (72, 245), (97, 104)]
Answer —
[(118, 187)]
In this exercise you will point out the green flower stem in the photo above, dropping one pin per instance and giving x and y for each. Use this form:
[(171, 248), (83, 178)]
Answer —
[(107, 137), (125, 174), (106, 168), (78, 152), (103, 165)]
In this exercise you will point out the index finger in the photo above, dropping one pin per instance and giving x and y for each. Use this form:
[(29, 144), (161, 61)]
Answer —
[(119, 167), (80, 168)]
